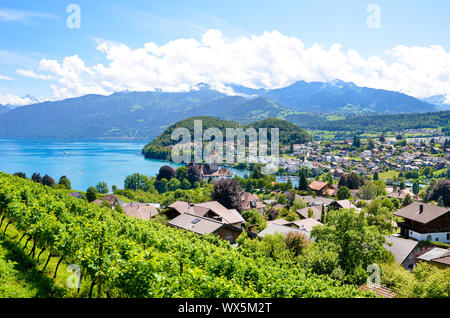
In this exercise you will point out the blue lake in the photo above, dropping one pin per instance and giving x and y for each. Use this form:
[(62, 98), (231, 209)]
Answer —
[(85, 163)]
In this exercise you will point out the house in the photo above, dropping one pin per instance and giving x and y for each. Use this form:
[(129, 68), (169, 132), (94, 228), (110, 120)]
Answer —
[(113, 200), (322, 188), (317, 213), (401, 194), (142, 211), (213, 210), (403, 250), (343, 204), (317, 201), (305, 224), (281, 229), (425, 222), (205, 226), (438, 256), (251, 201), (211, 170)]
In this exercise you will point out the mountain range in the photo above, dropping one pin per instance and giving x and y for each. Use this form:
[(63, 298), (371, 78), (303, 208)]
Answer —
[(144, 115)]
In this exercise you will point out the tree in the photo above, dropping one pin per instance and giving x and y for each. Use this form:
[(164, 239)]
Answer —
[(343, 193), (357, 244), (256, 174), (173, 184), (254, 218), (356, 141), (382, 138), (185, 184), (402, 185), (369, 191), (351, 181), (194, 174), (379, 213), (91, 194), (182, 173), (416, 187), (21, 175), (407, 200), (136, 182), (36, 177), (370, 144), (166, 172), (297, 242), (303, 182), (310, 213), (102, 187), (440, 189), (48, 181), (163, 185), (228, 193), (375, 176), (65, 182)]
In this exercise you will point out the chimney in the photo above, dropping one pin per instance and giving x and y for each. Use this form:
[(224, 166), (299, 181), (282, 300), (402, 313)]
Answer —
[(421, 209)]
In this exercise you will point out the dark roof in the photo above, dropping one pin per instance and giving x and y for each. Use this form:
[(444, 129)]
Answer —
[(400, 247), (430, 212), (198, 224)]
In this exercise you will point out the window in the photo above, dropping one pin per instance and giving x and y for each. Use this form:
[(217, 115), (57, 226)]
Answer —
[(448, 236), (195, 221), (428, 237)]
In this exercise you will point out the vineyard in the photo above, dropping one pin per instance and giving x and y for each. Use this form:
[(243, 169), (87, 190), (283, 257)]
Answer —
[(120, 256)]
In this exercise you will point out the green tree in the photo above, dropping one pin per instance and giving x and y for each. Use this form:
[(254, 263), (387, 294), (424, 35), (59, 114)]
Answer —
[(303, 182), (369, 191), (91, 194), (357, 244), (416, 187), (343, 193), (65, 182), (48, 181), (185, 184), (375, 176), (356, 141), (102, 187), (254, 218), (173, 184), (182, 173), (407, 200), (136, 182)]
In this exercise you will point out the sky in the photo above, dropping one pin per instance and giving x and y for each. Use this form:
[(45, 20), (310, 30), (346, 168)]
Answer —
[(56, 49)]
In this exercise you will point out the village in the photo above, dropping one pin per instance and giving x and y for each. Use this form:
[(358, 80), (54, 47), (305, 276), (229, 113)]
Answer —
[(419, 224)]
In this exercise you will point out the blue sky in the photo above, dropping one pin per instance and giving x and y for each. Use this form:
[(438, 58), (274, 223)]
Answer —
[(31, 31)]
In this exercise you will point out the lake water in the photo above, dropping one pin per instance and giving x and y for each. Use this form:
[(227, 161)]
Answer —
[(85, 163)]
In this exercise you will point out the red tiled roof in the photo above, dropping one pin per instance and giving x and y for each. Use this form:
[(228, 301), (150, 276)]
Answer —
[(380, 291)]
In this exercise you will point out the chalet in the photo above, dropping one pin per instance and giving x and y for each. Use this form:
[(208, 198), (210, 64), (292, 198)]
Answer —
[(425, 222), (213, 210), (251, 201), (317, 201), (205, 226), (305, 224), (404, 250), (322, 188), (142, 211), (343, 204), (401, 194)]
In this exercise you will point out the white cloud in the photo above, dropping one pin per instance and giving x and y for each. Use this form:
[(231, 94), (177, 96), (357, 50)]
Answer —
[(270, 60), (5, 78), (10, 99), (32, 74), (26, 17)]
